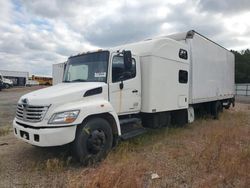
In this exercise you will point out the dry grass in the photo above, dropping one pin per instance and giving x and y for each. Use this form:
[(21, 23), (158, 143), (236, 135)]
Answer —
[(4, 131), (207, 153)]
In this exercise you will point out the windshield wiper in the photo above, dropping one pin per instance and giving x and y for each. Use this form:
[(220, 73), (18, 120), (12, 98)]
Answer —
[(78, 80)]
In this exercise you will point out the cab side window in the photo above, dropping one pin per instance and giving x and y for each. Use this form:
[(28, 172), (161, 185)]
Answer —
[(120, 72)]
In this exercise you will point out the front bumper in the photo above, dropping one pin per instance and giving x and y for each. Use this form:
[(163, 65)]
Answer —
[(45, 137)]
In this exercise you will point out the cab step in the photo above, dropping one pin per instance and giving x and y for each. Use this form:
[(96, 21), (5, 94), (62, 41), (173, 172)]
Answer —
[(131, 127), (130, 121), (133, 133)]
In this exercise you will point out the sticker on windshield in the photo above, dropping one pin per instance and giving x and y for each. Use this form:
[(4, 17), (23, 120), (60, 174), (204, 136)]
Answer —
[(100, 74)]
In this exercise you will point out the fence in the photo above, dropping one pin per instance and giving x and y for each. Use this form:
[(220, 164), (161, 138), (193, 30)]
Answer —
[(242, 89)]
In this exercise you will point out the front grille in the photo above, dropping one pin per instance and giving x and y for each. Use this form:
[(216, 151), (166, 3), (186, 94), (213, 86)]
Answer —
[(31, 113)]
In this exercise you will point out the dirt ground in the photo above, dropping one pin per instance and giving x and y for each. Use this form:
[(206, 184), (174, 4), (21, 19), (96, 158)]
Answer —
[(206, 153)]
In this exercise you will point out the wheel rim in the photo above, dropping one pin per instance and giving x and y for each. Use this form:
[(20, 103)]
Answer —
[(96, 141)]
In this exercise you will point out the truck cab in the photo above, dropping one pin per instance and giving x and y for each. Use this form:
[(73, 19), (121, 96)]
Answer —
[(97, 88)]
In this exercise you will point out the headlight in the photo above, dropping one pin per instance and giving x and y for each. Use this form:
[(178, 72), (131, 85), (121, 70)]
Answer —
[(64, 117)]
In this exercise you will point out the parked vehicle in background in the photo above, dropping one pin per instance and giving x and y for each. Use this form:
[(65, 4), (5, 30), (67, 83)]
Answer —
[(42, 80), (1, 84), (30, 83), (7, 83), (119, 93), (18, 78)]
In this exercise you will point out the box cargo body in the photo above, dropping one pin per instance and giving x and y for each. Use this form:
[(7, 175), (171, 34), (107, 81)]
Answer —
[(160, 66), (57, 73), (211, 68)]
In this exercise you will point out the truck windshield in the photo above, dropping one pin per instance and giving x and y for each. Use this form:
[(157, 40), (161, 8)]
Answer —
[(90, 67)]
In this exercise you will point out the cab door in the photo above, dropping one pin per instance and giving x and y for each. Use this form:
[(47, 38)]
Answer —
[(125, 86)]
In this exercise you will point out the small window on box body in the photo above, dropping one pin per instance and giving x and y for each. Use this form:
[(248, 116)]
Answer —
[(183, 54), (183, 76)]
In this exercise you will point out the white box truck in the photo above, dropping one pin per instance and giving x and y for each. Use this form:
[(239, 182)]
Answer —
[(121, 92)]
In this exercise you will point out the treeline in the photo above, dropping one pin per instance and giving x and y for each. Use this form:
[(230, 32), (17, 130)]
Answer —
[(242, 66)]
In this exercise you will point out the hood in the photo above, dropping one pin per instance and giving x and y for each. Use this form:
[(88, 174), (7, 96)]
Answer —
[(64, 92)]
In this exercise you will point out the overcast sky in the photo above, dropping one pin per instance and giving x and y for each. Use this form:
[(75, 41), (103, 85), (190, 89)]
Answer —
[(34, 34)]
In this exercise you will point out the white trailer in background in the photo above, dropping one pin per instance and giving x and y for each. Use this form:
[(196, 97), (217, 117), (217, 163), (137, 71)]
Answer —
[(57, 73), (115, 93)]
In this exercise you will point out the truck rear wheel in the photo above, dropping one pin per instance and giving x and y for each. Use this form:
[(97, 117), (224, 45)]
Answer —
[(216, 108), (93, 141), (229, 102)]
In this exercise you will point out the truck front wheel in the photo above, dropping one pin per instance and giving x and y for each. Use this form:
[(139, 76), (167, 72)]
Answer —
[(93, 141)]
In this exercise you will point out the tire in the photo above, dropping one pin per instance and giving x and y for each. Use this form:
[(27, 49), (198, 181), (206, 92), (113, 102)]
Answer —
[(6, 86), (93, 141), (216, 108), (220, 107), (227, 106)]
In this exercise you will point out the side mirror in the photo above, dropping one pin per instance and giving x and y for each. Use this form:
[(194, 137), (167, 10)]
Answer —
[(127, 59)]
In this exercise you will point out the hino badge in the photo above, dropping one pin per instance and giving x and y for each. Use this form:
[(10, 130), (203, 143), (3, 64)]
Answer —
[(122, 92)]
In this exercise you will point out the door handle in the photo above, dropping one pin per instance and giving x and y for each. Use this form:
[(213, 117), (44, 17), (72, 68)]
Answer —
[(135, 91), (121, 85)]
